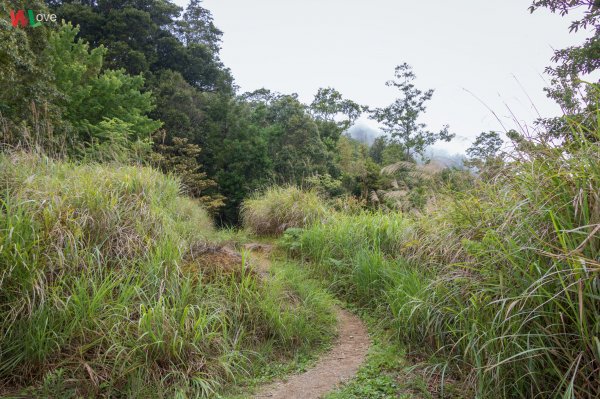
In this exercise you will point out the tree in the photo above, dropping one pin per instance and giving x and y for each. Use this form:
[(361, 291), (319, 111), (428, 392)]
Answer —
[(484, 151), (97, 103), (582, 59), (578, 101), (147, 36), (181, 158), (128, 29), (241, 160), (377, 148), (333, 115), (295, 144), (197, 27), (180, 107), (329, 105), (400, 119), (26, 96)]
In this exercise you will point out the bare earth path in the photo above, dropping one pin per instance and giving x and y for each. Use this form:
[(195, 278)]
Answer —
[(338, 365)]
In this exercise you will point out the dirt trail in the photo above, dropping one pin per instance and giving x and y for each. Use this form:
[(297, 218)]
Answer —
[(338, 365)]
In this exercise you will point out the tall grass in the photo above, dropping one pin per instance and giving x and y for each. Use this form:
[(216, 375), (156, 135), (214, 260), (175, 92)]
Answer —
[(502, 281), (94, 300), (281, 208)]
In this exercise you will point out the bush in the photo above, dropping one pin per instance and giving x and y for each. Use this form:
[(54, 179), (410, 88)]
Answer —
[(281, 208), (181, 158)]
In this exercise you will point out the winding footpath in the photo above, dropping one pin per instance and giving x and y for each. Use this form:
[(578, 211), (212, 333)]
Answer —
[(335, 367)]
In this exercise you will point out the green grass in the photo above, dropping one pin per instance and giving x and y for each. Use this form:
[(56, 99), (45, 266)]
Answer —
[(279, 208), (312, 319), (99, 298), (377, 379)]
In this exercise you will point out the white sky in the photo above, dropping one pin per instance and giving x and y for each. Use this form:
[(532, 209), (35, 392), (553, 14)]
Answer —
[(487, 47)]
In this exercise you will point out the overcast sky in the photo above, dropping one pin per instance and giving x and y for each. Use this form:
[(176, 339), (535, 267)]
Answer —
[(490, 48)]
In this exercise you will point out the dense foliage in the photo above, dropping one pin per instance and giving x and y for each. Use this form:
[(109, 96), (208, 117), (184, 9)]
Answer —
[(120, 79)]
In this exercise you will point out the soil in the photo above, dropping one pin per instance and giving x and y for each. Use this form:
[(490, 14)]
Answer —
[(260, 257), (334, 368), (213, 261)]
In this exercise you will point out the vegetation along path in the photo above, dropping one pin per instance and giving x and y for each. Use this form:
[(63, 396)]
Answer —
[(337, 366)]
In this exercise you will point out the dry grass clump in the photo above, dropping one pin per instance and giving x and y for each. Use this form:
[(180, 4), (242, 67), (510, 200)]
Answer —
[(281, 208), (213, 262), (117, 210)]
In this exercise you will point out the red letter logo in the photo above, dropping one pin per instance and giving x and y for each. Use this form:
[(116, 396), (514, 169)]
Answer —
[(18, 19)]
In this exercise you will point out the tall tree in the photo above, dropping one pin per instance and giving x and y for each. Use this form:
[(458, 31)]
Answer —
[(329, 105), (101, 106), (485, 146), (295, 143), (180, 106), (377, 148), (24, 77), (148, 36), (401, 118), (243, 161), (483, 154), (578, 100), (333, 115), (197, 27)]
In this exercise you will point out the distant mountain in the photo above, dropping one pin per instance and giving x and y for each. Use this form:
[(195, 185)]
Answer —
[(364, 133), (443, 157)]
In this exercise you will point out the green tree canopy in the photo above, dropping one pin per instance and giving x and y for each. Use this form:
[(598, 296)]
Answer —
[(89, 98), (148, 36), (400, 119), (23, 76), (485, 146), (578, 100)]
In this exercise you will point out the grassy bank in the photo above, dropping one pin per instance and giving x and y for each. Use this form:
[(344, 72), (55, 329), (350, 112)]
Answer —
[(500, 282), (389, 372), (105, 290)]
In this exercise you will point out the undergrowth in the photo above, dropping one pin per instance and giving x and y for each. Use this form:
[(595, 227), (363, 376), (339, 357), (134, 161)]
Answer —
[(315, 304)]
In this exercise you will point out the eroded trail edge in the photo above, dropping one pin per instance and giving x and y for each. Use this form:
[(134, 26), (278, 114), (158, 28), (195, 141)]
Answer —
[(334, 368)]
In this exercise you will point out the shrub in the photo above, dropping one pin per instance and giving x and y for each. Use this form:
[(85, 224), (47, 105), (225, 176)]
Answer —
[(281, 208), (181, 158)]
